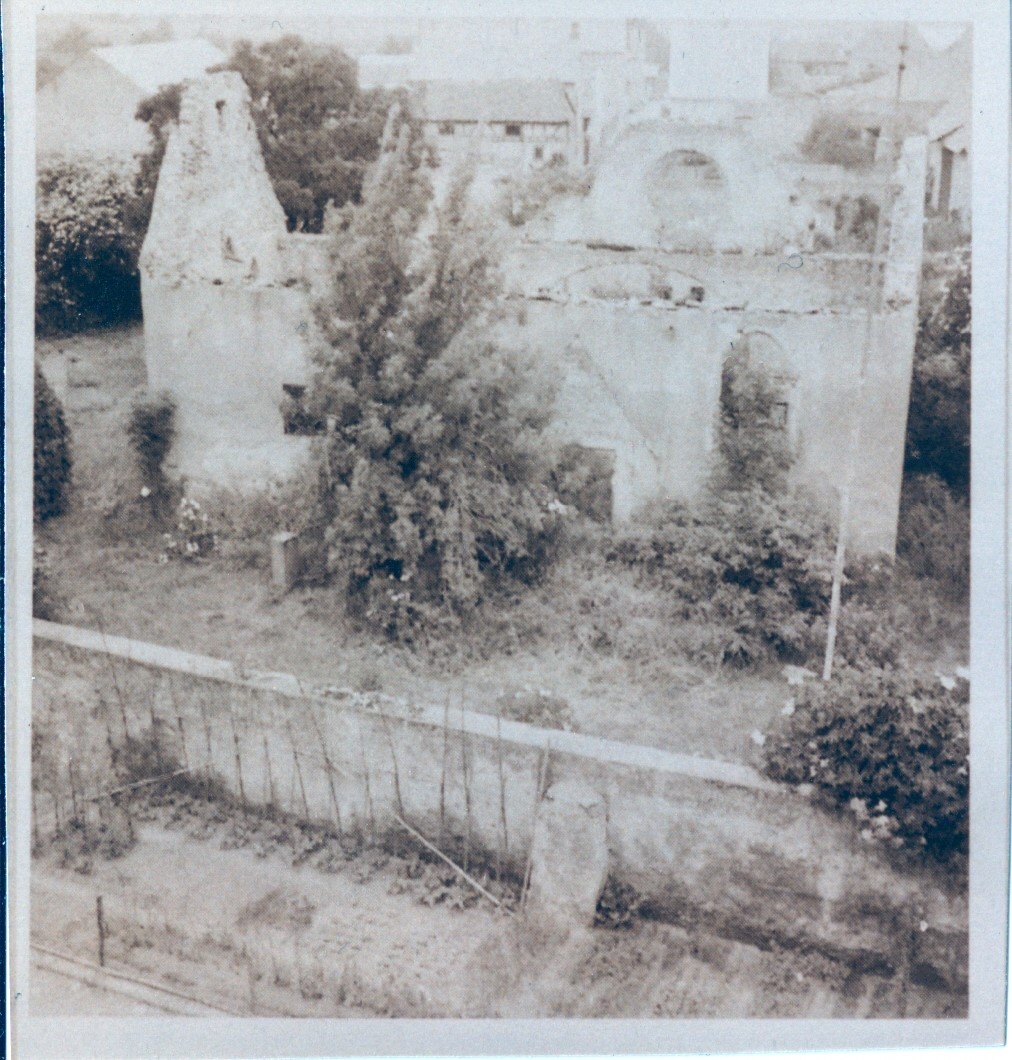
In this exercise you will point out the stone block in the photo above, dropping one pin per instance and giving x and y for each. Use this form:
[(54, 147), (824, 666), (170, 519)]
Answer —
[(286, 561), (569, 855)]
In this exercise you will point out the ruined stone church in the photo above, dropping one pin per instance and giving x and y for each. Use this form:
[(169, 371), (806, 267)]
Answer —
[(699, 238)]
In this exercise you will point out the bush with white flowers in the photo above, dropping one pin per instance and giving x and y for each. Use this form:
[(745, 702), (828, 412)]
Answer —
[(192, 537)]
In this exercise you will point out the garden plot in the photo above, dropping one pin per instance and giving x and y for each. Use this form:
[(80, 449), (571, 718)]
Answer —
[(252, 928)]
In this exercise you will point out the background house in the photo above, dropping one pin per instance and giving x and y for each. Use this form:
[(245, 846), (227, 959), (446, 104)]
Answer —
[(88, 109), (608, 68), (515, 124)]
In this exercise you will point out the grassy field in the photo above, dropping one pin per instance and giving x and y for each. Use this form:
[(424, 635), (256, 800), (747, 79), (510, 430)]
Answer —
[(591, 637)]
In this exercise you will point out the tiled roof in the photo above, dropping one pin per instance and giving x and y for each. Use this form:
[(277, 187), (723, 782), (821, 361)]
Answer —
[(513, 100)]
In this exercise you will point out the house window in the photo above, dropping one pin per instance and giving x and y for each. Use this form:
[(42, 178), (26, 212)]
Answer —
[(446, 128), (513, 130), (539, 154), (295, 414)]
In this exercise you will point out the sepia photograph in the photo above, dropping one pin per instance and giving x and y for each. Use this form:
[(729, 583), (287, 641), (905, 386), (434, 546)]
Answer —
[(501, 519)]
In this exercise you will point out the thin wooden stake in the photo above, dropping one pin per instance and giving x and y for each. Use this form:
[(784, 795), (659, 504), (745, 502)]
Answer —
[(502, 817), (210, 754), (302, 786), (179, 718), (449, 861), (141, 783), (271, 793), (368, 792), (154, 724), (442, 774), (73, 787), (328, 765), (100, 917), (112, 670), (873, 305), (393, 758), (467, 789), (238, 764)]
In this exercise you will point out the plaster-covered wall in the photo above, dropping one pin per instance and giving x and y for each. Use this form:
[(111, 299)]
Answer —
[(224, 352), (701, 840), (626, 376), (227, 311)]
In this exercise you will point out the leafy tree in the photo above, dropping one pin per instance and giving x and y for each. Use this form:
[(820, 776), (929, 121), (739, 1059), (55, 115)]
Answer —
[(752, 448), (432, 473), (318, 131), (89, 226), (938, 427)]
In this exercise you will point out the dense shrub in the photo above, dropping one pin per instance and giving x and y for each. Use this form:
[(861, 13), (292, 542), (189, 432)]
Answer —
[(749, 573), (89, 227), (193, 537), (524, 198), (433, 473), (934, 534), (748, 565), (52, 452), (838, 139), (151, 431), (536, 706), (938, 426), (891, 746)]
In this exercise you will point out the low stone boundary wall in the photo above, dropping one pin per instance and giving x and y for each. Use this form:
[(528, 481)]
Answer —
[(702, 841)]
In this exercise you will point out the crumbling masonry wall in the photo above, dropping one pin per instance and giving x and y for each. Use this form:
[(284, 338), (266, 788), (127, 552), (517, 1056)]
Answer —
[(698, 238), (642, 332)]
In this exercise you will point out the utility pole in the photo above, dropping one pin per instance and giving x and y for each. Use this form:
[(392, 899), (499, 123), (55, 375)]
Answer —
[(873, 299), (902, 65)]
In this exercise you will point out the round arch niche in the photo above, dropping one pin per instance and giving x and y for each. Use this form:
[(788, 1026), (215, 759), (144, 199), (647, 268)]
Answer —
[(755, 349), (685, 185)]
